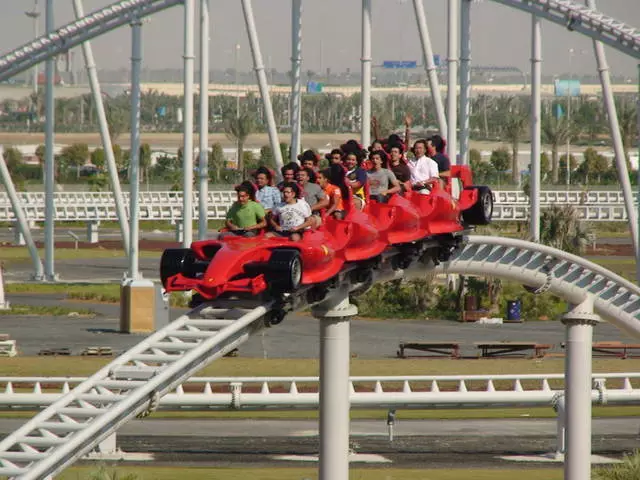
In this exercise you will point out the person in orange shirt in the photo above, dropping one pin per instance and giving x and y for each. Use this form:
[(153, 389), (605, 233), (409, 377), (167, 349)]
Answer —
[(327, 180)]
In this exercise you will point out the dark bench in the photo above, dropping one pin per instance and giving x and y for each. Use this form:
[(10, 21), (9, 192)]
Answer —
[(437, 349), (614, 349), (504, 349)]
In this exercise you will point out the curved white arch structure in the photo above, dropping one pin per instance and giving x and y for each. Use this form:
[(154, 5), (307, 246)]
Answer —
[(73, 34), (134, 382), (574, 16), (571, 277)]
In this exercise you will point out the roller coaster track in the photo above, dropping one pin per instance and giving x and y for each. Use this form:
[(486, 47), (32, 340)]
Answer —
[(570, 14), (134, 382), (73, 34)]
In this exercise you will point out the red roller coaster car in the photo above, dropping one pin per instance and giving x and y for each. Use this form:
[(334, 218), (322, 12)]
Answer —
[(412, 224)]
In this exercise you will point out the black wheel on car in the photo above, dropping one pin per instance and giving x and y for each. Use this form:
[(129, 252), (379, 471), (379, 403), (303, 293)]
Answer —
[(481, 211), (174, 261), (284, 270)]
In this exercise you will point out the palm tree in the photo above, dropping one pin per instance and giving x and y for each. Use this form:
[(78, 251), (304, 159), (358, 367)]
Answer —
[(560, 228), (628, 123), (238, 128), (513, 127), (555, 132)]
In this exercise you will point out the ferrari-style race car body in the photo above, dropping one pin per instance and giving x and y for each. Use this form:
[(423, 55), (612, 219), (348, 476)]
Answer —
[(262, 266)]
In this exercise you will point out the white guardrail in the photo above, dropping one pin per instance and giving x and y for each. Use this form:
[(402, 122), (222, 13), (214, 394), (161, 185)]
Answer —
[(167, 205), (256, 393)]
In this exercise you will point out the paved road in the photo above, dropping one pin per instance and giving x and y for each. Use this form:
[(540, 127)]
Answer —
[(416, 443), (215, 428)]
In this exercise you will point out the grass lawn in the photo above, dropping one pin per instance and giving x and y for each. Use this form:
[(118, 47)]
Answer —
[(168, 473), (46, 310), (625, 267), (13, 255)]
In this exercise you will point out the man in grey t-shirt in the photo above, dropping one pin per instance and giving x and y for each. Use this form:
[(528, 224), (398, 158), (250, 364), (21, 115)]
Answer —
[(382, 181), (313, 193)]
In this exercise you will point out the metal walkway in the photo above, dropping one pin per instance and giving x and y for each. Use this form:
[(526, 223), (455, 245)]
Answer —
[(130, 385)]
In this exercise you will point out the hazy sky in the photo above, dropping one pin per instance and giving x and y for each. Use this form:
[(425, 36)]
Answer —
[(501, 35)]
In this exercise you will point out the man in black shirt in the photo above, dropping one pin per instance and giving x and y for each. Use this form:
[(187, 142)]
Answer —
[(444, 165)]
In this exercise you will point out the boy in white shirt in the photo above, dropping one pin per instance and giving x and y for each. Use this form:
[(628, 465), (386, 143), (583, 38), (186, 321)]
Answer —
[(292, 217)]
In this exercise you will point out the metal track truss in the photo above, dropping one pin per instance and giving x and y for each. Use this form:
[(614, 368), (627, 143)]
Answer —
[(289, 393), (130, 385), (543, 268), (73, 34), (576, 17)]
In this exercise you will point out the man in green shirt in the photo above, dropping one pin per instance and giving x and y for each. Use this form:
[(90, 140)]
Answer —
[(246, 217)]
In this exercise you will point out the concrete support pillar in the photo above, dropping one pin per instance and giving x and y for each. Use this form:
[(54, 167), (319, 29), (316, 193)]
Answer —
[(92, 231), (18, 237), (579, 322), (334, 316), (179, 232), (560, 408)]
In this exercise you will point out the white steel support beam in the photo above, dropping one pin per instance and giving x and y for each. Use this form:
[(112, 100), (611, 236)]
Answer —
[(112, 168), (258, 65), (334, 386), (7, 182), (579, 321), (365, 94), (49, 159), (618, 147), (536, 126), (452, 83), (429, 65), (134, 164), (465, 79), (295, 104), (187, 125), (203, 164)]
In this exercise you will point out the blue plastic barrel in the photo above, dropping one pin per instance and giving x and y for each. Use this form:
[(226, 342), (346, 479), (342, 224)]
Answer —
[(514, 310)]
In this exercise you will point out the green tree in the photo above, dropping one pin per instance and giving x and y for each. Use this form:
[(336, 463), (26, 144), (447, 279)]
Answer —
[(97, 182), (13, 158), (629, 469), (238, 129), (500, 159), (555, 132), (118, 120), (216, 162), (98, 157), (475, 156), (145, 162), (560, 228), (14, 161), (266, 156), (628, 123), (545, 165), (40, 153), (75, 155), (513, 128)]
